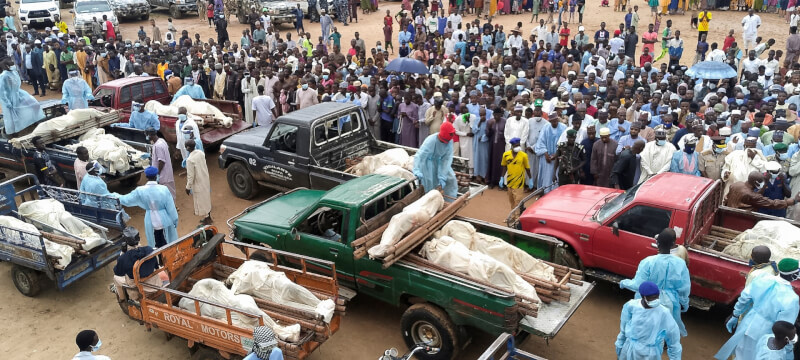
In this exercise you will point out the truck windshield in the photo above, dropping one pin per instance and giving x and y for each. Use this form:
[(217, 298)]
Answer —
[(91, 6), (610, 208), (34, 1)]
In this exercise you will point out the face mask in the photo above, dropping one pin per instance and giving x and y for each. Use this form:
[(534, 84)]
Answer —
[(484, 82), (783, 156), (378, 48), (574, 90), (718, 150), (603, 89), (711, 86), (97, 347), (689, 149), (654, 303), (668, 125), (661, 142), (520, 87), (792, 340), (739, 101), (517, 149), (304, 86), (759, 185), (563, 112), (147, 138)]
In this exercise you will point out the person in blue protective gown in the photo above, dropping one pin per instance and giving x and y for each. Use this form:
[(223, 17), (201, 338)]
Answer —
[(779, 345), (545, 150), (20, 109), (93, 184), (160, 217), (433, 162), (671, 275), (76, 93), (764, 301), (140, 118), (645, 326), (189, 88)]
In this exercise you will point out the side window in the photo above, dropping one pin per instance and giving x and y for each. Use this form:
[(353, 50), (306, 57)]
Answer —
[(125, 95), (284, 138), (106, 92), (160, 89), (147, 89), (644, 220), (326, 223), (320, 133)]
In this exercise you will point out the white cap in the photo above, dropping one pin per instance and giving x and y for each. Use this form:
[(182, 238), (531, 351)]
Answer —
[(772, 166), (581, 28), (37, 42), (521, 74)]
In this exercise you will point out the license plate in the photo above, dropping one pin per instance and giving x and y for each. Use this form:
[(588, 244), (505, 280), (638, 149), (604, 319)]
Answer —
[(39, 20)]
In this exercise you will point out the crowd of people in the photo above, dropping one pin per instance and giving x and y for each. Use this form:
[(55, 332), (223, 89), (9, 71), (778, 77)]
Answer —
[(536, 107)]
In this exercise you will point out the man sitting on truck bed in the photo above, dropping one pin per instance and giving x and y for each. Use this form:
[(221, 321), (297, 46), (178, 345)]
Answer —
[(140, 118)]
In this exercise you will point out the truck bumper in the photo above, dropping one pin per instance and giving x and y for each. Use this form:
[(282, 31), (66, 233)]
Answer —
[(25, 20), (283, 19), (132, 13), (187, 7)]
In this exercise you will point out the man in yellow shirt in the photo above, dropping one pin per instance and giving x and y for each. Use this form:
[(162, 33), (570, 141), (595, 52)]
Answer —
[(60, 24), (703, 18), (516, 168)]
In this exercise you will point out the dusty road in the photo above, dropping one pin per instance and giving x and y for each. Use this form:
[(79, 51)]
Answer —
[(44, 327)]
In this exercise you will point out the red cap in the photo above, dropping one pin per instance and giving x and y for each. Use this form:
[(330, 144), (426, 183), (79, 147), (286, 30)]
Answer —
[(616, 32), (446, 132), (352, 88)]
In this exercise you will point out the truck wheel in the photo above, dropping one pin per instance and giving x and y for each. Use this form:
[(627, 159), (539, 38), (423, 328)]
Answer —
[(205, 353), (26, 280), (567, 257), (240, 181), (427, 323), (174, 12), (146, 16)]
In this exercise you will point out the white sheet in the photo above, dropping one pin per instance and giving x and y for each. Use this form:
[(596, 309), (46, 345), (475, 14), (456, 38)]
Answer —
[(369, 164), (52, 213), (192, 107), (110, 151), (55, 249), (257, 279), (73, 117), (412, 216), (497, 249), (214, 290), (782, 238)]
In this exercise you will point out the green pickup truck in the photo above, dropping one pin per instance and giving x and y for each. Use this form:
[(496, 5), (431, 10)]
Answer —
[(441, 306)]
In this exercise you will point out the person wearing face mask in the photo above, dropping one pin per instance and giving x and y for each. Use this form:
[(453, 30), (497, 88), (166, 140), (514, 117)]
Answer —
[(194, 91), (625, 172), (776, 187), (186, 129), (516, 171), (92, 183), (711, 161), (656, 156), (546, 148), (686, 161), (535, 124), (749, 195), (88, 342), (20, 109), (760, 264), (667, 271), (646, 326), (779, 345), (161, 216), (433, 162), (140, 118), (740, 163), (764, 301)]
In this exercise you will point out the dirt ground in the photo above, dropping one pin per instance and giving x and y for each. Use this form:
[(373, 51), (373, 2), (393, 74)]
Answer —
[(44, 327)]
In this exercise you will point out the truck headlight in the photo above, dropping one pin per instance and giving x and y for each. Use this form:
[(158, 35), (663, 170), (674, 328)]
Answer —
[(52, 9), (21, 11)]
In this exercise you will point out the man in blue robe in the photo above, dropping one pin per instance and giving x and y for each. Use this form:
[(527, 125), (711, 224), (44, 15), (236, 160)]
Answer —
[(161, 217), (433, 162), (189, 88), (667, 271), (93, 184), (686, 161), (20, 109), (140, 118), (75, 92), (545, 150)]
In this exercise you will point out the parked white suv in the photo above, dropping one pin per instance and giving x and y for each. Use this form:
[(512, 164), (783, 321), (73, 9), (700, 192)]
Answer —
[(37, 12)]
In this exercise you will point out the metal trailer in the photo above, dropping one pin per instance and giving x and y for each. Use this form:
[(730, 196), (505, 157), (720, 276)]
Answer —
[(504, 347), (27, 250)]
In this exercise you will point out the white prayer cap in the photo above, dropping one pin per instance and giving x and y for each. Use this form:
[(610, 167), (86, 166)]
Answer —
[(772, 166)]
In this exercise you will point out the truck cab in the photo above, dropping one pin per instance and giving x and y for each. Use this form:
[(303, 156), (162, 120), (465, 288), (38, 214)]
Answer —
[(177, 8), (84, 13), (38, 12)]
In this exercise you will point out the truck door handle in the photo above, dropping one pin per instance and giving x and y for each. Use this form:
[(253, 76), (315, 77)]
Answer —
[(654, 245), (290, 162), (334, 251)]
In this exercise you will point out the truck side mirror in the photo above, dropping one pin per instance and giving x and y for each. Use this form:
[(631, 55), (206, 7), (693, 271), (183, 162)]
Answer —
[(615, 228), (295, 235)]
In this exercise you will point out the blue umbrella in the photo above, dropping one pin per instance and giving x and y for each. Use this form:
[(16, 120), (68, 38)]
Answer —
[(713, 70), (407, 65)]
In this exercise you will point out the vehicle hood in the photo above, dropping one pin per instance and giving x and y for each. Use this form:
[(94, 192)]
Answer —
[(569, 204), (279, 5), (279, 211), (253, 137), (88, 17), (117, 4), (39, 6)]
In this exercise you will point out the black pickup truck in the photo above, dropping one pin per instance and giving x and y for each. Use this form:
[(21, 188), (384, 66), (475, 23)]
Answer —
[(305, 148), (21, 160)]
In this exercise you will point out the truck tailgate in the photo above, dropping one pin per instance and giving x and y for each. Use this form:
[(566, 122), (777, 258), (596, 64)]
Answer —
[(554, 315), (215, 136)]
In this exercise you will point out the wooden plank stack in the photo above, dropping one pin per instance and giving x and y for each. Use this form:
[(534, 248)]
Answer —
[(719, 237), (109, 117)]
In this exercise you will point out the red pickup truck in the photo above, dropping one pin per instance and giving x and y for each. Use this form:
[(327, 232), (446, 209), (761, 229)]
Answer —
[(610, 231), (119, 93)]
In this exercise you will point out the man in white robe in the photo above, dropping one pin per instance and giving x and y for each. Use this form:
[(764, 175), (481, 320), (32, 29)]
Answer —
[(198, 184), (740, 163), (250, 91), (656, 156)]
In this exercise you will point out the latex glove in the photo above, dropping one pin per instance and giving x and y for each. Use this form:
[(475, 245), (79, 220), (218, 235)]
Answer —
[(731, 324), (115, 125), (183, 163), (502, 182), (145, 156), (685, 308)]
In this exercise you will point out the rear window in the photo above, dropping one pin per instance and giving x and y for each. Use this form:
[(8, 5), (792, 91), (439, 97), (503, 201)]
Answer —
[(125, 95), (160, 88), (334, 128), (380, 205), (148, 90)]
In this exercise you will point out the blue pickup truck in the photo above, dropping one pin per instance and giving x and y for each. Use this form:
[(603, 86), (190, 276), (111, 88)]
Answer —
[(27, 250)]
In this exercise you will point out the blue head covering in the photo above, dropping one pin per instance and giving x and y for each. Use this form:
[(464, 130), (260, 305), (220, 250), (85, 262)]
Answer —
[(150, 171), (648, 288)]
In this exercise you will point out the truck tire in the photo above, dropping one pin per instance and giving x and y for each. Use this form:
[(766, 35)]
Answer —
[(240, 181), (205, 353), (427, 323), (26, 280), (146, 16), (174, 12), (567, 257)]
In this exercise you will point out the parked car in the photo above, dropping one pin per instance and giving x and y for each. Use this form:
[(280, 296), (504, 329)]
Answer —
[(178, 7), (86, 11), (131, 9), (38, 12), (280, 11)]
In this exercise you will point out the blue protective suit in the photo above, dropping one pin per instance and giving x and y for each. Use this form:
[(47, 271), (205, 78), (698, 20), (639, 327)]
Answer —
[(433, 166), (764, 301), (93, 184), (763, 352), (142, 121), (20, 109), (642, 333), (76, 93), (194, 91), (684, 163), (671, 275), (157, 202), (547, 144)]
